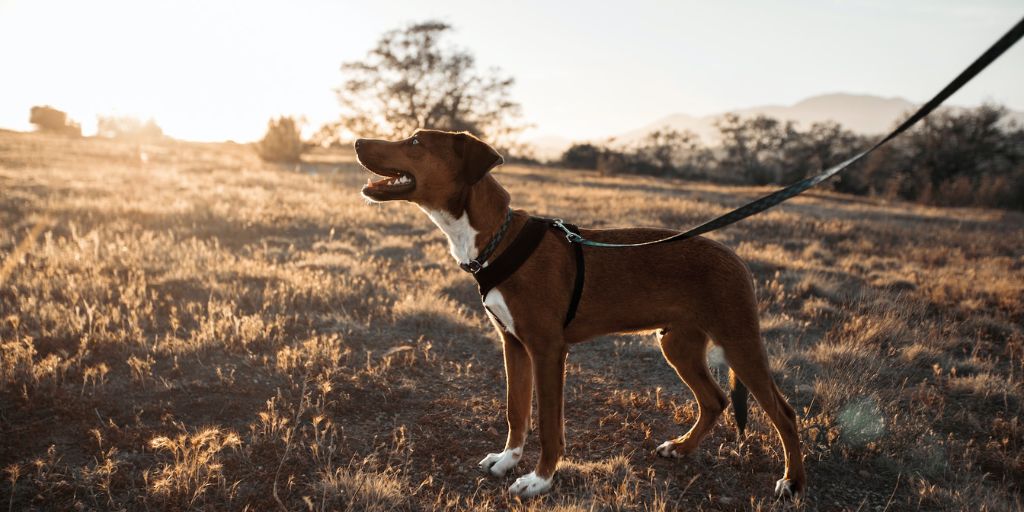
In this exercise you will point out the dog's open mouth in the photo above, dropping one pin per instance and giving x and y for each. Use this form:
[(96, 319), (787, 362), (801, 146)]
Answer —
[(395, 182)]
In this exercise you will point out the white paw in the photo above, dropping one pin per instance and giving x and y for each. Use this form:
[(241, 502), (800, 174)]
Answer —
[(499, 463), (785, 489), (530, 485), (667, 449)]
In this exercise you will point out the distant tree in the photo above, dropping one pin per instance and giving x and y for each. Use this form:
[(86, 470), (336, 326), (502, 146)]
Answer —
[(752, 148), (409, 81), (955, 158), (614, 162), (49, 119), (581, 156), (282, 142), (823, 145), (660, 150), (671, 152), (128, 127)]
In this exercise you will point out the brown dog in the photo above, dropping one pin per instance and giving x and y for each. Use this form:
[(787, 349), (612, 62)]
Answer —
[(692, 291)]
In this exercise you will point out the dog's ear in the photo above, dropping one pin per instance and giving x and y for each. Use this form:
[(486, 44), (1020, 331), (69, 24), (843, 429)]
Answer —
[(478, 158)]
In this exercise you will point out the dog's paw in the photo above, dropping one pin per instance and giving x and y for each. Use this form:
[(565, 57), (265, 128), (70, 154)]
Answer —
[(787, 489), (672, 450), (498, 464), (530, 485)]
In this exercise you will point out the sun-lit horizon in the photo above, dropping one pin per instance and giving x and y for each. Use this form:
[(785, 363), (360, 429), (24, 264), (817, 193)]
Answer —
[(211, 71)]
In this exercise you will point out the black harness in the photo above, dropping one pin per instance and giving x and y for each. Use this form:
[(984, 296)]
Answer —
[(513, 257)]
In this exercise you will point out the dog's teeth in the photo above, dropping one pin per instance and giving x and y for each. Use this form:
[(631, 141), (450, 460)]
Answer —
[(369, 181)]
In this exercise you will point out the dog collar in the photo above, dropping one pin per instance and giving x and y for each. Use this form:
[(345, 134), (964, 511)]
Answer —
[(474, 265)]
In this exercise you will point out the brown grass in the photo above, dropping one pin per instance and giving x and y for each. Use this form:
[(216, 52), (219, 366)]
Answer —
[(199, 330)]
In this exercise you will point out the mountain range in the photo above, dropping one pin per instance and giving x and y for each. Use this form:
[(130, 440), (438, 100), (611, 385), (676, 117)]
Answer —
[(862, 113)]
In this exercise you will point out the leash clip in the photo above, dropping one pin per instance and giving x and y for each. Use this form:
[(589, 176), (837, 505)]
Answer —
[(573, 238)]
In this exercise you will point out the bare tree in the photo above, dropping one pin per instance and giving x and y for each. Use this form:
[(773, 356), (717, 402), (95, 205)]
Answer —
[(753, 148), (672, 152), (409, 80), (823, 145)]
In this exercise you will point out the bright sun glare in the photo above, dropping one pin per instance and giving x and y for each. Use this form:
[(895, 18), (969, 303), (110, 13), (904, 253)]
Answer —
[(203, 71)]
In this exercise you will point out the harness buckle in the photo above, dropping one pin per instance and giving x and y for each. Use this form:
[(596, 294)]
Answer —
[(471, 266), (569, 235)]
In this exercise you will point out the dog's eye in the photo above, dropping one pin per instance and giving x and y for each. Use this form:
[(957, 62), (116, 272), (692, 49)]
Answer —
[(415, 141)]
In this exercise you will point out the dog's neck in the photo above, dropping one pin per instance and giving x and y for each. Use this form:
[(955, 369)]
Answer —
[(484, 212)]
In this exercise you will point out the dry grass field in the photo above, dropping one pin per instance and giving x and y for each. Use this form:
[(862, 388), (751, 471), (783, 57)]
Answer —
[(185, 327)]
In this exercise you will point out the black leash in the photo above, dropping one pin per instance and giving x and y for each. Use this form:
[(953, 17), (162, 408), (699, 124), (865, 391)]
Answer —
[(770, 200)]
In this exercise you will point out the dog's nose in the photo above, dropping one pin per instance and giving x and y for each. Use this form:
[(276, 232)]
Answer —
[(358, 143)]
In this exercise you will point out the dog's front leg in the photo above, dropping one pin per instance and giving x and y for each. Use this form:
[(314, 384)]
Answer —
[(549, 376), (519, 396)]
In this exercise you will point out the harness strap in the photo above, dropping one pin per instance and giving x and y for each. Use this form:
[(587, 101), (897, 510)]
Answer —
[(513, 257), (577, 287)]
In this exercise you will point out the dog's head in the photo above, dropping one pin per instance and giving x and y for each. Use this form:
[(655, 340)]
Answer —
[(433, 169)]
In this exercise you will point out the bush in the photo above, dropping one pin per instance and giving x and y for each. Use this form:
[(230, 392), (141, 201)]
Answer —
[(581, 156), (282, 143), (127, 127), (49, 119), (661, 153), (965, 157)]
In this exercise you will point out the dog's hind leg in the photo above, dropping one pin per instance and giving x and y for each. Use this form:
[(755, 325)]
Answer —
[(685, 348), (519, 398), (746, 356)]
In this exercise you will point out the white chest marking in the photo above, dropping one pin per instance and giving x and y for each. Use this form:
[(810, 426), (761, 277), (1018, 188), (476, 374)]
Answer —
[(462, 244), (495, 304), (461, 235)]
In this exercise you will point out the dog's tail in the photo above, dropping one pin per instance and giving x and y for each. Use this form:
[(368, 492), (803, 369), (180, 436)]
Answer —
[(738, 394)]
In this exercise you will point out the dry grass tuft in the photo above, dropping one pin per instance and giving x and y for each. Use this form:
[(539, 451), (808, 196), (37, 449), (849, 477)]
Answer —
[(195, 465), (347, 489)]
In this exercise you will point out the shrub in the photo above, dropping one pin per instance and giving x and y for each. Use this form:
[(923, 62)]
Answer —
[(49, 119), (282, 143), (581, 156)]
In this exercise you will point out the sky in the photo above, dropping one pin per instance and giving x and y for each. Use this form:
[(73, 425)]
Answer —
[(218, 70)]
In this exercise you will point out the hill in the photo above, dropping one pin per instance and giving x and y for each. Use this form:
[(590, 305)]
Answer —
[(862, 113)]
